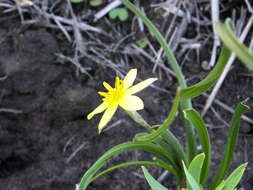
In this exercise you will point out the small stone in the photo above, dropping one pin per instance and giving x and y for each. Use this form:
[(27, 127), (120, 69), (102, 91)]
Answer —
[(245, 128), (205, 66)]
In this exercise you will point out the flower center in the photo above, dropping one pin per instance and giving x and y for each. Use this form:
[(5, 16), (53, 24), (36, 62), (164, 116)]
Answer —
[(116, 95), (119, 91)]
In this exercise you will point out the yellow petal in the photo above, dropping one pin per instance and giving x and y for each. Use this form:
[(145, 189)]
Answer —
[(129, 78), (99, 109), (140, 86), (132, 103), (109, 112), (105, 94), (107, 86)]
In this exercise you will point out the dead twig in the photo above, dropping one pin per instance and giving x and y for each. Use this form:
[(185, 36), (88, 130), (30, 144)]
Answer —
[(78, 149), (75, 62), (160, 51), (24, 2), (81, 25), (250, 9), (215, 18), (9, 110), (228, 108), (107, 9)]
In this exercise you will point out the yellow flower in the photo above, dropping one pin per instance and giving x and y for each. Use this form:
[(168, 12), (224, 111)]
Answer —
[(121, 95)]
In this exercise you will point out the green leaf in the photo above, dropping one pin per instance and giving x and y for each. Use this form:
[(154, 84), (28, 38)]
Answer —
[(232, 181), (174, 151), (120, 13), (190, 179), (231, 143), (174, 145), (196, 165), (233, 43), (153, 183), (143, 43), (169, 152), (95, 3), (89, 174), (210, 80), (139, 135), (203, 135), (134, 163), (77, 1), (220, 186)]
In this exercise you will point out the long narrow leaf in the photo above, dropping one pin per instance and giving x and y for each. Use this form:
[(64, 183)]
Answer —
[(175, 151), (230, 146), (87, 178), (133, 163), (233, 43), (203, 135), (174, 144), (154, 184), (170, 153), (210, 80)]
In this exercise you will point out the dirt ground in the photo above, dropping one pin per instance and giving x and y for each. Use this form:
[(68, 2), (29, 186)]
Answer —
[(46, 143)]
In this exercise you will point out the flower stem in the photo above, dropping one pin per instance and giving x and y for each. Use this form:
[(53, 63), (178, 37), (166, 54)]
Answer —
[(139, 119)]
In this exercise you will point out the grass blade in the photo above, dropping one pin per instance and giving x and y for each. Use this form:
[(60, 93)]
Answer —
[(87, 177), (210, 80), (133, 163), (196, 165), (203, 135), (153, 183), (232, 181), (232, 42), (190, 179), (230, 146)]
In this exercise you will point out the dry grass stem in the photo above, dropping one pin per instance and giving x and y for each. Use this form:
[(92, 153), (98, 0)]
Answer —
[(107, 9), (9, 110)]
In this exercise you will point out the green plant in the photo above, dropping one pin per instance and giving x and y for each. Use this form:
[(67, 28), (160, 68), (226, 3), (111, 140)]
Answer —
[(95, 3), (120, 13), (143, 42), (155, 185), (77, 1), (193, 173), (232, 42), (170, 154)]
